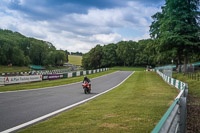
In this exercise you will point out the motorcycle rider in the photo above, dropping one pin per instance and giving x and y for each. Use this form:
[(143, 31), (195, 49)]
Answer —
[(88, 80)]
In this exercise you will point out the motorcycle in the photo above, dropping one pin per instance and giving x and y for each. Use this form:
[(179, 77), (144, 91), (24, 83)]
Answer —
[(86, 87)]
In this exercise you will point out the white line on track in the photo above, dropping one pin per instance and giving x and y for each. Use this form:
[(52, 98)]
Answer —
[(59, 111)]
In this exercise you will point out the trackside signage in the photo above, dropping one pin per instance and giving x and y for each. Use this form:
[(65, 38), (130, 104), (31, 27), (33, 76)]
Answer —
[(22, 79)]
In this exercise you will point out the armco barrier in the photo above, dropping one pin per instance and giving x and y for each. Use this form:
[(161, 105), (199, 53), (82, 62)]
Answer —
[(174, 120)]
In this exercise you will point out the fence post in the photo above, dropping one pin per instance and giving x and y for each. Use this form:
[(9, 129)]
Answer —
[(183, 114), (186, 91)]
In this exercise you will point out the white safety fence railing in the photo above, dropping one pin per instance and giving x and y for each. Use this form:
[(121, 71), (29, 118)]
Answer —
[(174, 120)]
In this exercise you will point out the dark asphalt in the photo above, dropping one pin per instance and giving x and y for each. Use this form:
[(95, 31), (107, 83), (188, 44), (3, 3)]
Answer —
[(20, 107)]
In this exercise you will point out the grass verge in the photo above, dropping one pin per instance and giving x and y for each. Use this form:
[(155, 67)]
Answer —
[(135, 106), (75, 59), (193, 103), (128, 68), (49, 83), (6, 69), (194, 85)]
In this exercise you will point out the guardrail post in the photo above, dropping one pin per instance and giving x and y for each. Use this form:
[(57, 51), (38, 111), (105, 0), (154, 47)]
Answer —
[(183, 114), (186, 90)]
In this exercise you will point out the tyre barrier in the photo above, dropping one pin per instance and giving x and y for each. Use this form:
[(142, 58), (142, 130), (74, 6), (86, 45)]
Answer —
[(40, 72), (174, 120), (5, 80)]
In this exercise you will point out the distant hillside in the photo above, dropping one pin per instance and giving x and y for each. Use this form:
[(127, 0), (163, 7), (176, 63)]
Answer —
[(75, 59)]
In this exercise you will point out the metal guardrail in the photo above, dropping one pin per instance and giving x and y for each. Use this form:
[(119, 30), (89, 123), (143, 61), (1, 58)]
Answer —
[(174, 120)]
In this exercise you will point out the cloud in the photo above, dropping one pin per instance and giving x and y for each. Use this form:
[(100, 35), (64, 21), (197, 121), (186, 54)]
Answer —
[(77, 30), (106, 38)]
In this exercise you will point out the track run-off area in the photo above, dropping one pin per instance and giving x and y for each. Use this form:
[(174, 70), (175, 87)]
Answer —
[(22, 108), (134, 106)]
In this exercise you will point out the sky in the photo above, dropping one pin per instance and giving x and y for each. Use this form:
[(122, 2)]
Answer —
[(79, 25)]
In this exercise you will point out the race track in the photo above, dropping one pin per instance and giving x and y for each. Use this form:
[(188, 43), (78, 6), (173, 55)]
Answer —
[(21, 107)]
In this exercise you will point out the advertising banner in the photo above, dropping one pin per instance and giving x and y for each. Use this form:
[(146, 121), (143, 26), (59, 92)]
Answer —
[(44, 77), (53, 76), (22, 79), (61, 76)]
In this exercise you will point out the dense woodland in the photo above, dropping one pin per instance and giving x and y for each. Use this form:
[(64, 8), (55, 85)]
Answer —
[(175, 38), (19, 50)]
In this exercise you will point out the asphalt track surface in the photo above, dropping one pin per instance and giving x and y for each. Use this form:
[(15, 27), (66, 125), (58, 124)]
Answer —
[(21, 107)]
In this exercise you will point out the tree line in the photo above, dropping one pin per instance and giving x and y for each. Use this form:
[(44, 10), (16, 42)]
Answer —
[(175, 38), (76, 53), (19, 50), (123, 53)]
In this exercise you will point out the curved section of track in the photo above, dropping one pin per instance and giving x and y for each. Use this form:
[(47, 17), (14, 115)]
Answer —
[(21, 107)]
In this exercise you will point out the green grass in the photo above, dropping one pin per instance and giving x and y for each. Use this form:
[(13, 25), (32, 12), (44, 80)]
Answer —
[(75, 59), (56, 67), (194, 85), (6, 69), (135, 106), (49, 83), (128, 68)]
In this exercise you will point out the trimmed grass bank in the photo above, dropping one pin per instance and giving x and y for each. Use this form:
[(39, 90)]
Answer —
[(75, 59), (135, 106), (193, 105), (49, 83), (6, 69), (128, 68)]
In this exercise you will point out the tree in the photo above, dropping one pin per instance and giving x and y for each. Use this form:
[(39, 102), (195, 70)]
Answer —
[(109, 57), (17, 58), (177, 28), (67, 53), (38, 52), (20, 50), (92, 59), (86, 61), (96, 54), (60, 57), (125, 51)]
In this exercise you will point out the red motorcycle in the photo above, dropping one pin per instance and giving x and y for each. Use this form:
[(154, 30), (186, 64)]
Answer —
[(86, 87)]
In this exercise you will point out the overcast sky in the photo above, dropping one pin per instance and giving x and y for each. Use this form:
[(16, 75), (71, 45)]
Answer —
[(78, 25)]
